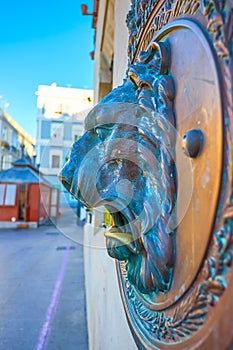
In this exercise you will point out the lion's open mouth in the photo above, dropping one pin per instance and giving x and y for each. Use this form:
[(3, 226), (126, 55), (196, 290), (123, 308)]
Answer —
[(126, 238), (124, 231)]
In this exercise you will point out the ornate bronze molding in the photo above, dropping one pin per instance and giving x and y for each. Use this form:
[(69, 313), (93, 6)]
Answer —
[(160, 148)]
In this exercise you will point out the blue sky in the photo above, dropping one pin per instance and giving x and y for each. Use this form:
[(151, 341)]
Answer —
[(42, 42)]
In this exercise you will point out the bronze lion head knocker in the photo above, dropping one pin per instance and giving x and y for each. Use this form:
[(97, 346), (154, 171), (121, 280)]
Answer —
[(125, 161)]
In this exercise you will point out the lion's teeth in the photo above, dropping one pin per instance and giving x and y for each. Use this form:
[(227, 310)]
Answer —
[(125, 238)]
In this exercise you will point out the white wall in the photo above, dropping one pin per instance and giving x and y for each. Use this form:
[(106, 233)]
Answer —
[(120, 41), (107, 324)]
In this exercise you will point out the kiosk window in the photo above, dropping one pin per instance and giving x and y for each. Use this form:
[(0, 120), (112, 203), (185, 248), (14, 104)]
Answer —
[(7, 194)]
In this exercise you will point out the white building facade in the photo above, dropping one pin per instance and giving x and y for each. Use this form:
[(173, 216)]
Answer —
[(12, 138), (61, 112)]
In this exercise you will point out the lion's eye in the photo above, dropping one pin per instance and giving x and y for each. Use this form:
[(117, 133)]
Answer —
[(103, 131)]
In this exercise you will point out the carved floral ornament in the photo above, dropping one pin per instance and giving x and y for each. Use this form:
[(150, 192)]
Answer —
[(160, 150)]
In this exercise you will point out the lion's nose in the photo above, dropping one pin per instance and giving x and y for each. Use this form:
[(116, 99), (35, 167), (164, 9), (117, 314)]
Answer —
[(65, 176), (65, 182)]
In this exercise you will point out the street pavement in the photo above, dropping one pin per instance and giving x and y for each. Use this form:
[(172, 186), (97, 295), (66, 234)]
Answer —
[(42, 301)]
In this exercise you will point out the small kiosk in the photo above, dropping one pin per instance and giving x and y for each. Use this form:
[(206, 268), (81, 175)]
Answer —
[(26, 198)]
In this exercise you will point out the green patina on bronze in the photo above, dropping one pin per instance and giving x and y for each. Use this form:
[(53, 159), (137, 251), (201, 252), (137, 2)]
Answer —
[(130, 136)]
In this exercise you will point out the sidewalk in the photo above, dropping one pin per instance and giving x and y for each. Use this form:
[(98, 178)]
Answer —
[(67, 224)]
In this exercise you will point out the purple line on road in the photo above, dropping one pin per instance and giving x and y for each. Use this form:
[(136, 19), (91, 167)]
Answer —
[(46, 329)]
